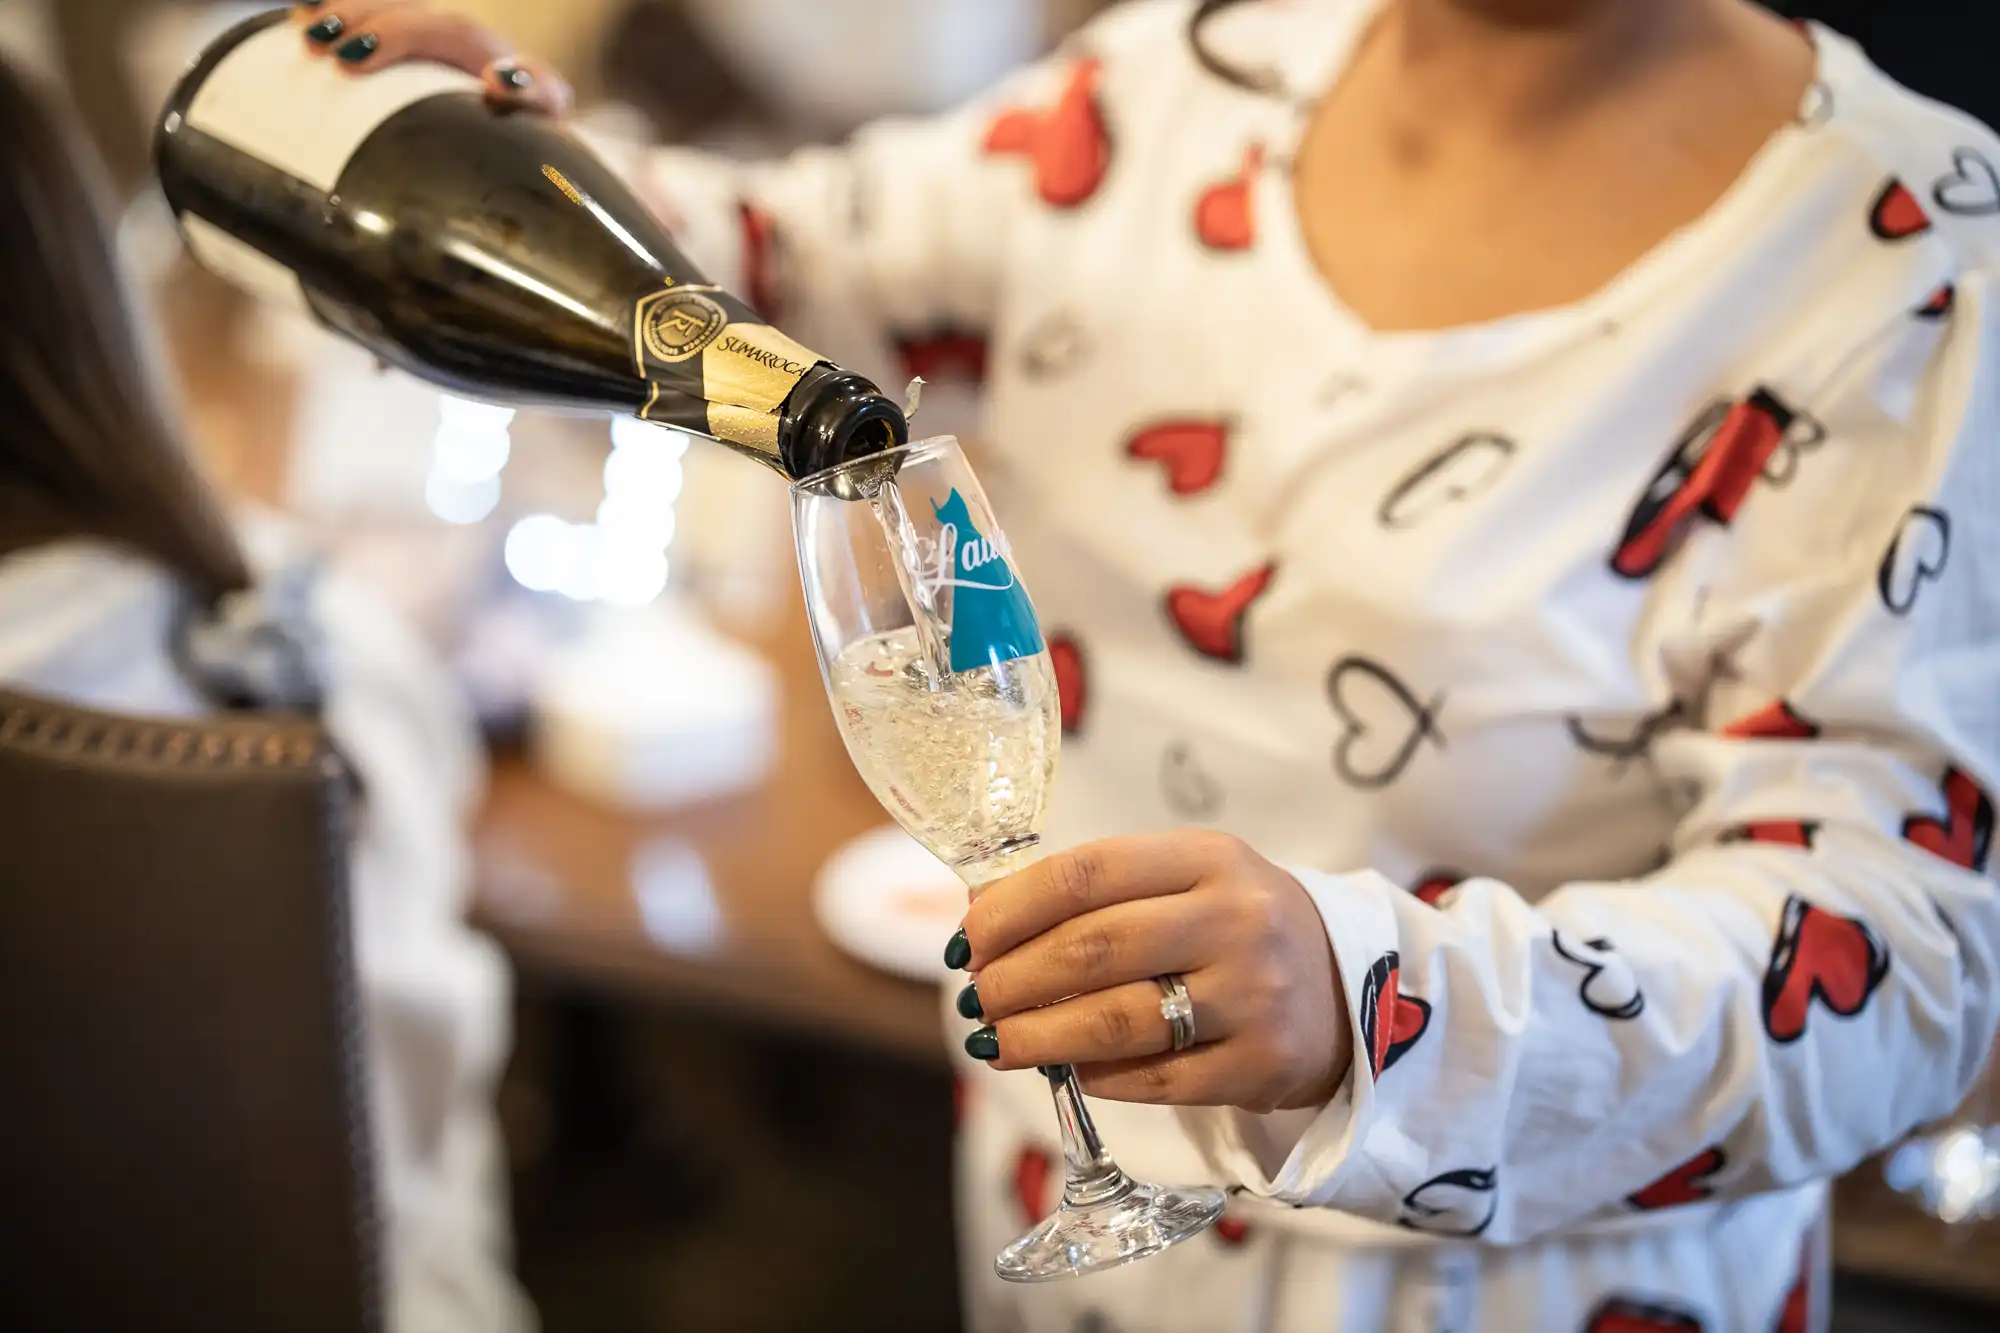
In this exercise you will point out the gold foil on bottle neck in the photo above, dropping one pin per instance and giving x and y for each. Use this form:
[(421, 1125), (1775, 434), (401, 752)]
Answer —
[(753, 432), (753, 366)]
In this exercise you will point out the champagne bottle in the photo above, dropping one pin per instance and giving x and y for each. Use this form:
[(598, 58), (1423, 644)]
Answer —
[(486, 251)]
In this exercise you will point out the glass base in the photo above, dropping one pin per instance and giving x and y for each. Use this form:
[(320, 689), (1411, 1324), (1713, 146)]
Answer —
[(1126, 1221)]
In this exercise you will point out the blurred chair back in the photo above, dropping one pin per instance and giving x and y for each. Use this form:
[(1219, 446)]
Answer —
[(183, 1126)]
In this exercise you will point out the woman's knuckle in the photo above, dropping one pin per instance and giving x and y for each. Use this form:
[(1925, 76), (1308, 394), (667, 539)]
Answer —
[(1109, 1027), (1076, 876), (1210, 847), (1088, 952), (994, 986)]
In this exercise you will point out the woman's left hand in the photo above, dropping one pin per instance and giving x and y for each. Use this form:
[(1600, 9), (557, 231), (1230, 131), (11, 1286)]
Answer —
[(1066, 953)]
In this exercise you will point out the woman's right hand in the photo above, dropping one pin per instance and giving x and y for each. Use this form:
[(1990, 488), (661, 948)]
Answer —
[(363, 36)]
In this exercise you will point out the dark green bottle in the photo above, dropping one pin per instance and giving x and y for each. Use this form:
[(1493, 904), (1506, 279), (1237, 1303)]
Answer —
[(488, 252)]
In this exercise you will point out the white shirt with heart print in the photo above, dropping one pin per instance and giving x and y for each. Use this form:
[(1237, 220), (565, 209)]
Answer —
[(1620, 680)]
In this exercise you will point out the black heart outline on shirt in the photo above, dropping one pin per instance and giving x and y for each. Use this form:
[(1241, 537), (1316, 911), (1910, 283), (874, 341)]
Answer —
[(1461, 471), (1908, 564), (1816, 107), (1622, 751), (1054, 345), (1618, 997), (1456, 1203), (1190, 791), (1800, 432), (1972, 189), (1339, 385), (1419, 717)]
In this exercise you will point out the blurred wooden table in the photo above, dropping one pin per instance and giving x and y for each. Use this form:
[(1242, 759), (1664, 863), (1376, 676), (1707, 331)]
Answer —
[(707, 906)]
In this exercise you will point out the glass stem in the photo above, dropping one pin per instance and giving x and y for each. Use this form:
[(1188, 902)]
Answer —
[(1090, 1177)]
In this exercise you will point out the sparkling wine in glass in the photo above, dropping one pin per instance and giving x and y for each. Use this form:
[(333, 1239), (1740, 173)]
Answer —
[(944, 693)]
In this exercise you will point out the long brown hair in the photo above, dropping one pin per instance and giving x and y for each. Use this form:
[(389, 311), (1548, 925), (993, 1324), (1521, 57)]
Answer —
[(88, 444)]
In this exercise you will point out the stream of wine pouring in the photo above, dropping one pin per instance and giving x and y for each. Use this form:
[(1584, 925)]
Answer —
[(926, 613)]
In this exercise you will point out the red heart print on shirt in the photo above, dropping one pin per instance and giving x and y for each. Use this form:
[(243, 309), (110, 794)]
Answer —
[(1776, 832), (1941, 303), (1625, 1314), (1212, 622), (1819, 955), (1191, 451), (1795, 1315), (760, 260), (1391, 1022), (1896, 215), (1965, 835), (1069, 144), (1775, 721), (1435, 884), (1710, 472), (1032, 1170), (944, 354), (1225, 215), (1686, 1183), (1072, 682)]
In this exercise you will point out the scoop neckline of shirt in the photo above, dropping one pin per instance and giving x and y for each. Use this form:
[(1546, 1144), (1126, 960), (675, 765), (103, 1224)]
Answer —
[(1313, 70)]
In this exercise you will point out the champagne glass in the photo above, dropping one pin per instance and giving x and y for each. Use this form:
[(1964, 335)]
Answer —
[(943, 690)]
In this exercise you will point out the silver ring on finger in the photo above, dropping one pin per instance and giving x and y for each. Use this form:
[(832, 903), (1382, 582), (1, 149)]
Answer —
[(1177, 1007)]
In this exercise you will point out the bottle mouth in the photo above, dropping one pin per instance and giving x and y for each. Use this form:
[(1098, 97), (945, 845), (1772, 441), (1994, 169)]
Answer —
[(837, 416), (860, 477)]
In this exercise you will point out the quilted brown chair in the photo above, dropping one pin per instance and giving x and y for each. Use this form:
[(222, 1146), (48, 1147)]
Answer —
[(183, 1132)]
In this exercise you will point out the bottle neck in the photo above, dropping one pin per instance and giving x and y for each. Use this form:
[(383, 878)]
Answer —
[(834, 415)]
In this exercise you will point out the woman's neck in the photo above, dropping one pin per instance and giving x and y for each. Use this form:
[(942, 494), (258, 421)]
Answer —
[(1511, 64)]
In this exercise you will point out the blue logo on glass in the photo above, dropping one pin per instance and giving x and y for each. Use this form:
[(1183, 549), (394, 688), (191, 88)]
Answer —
[(991, 618)]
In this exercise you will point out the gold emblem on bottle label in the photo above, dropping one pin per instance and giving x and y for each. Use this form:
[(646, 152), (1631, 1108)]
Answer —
[(676, 325)]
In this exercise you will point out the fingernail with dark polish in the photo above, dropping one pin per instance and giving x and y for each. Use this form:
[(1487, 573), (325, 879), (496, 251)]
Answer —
[(958, 952), (515, 78), (326, 29), (359, 49), (968, 1001), (983, 1045)]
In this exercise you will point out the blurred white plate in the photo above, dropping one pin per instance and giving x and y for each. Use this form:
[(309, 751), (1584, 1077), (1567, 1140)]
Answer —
[(890, 903)]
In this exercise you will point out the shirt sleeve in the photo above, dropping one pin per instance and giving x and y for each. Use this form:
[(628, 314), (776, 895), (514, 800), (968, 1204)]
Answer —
[(1811, 973), (896, 240)]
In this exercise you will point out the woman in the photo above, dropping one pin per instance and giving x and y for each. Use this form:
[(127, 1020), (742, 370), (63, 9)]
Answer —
[(1507, 488), (123, 587)]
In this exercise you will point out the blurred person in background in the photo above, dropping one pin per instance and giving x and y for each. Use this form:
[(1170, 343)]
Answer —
[(1508, 486), (123, 586)]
